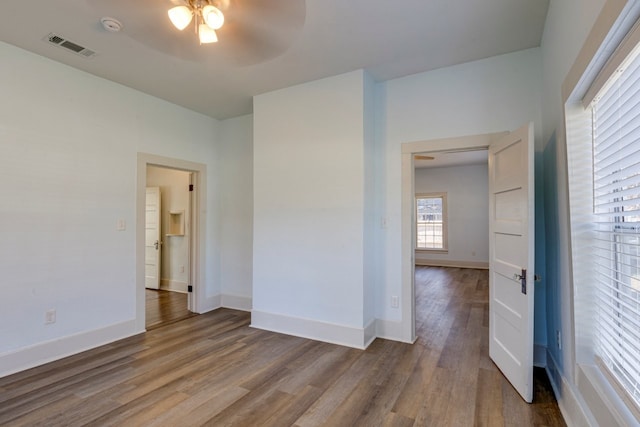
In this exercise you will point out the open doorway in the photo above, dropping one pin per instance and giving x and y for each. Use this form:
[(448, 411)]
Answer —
[(511, 220), (179, 259), (167, 242), (452, 208), (408, 262)]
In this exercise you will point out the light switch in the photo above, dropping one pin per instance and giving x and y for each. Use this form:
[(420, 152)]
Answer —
[(121, 225)]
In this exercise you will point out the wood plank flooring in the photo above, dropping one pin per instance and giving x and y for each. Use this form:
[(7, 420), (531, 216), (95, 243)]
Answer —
[(213, 369), (164, 307)]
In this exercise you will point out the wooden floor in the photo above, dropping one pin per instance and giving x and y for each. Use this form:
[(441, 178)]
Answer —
[(164, 307), (213, 369)]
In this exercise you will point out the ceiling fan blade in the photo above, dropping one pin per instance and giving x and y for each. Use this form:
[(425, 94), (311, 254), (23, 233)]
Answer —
[(421, 157), (254, 30), (258, 30)]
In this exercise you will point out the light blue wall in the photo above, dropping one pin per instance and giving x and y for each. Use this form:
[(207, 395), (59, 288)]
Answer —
[(553, 301), (540, 314)]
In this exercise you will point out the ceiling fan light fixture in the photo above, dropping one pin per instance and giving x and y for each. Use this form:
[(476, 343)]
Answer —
[(213, 16), (206, 34), (180, 17)]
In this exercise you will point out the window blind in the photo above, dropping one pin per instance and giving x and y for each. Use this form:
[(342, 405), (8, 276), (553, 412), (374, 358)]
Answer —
[(616, 244)]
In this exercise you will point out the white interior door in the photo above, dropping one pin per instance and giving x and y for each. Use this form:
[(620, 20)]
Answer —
[(511, 233), (152, 239)]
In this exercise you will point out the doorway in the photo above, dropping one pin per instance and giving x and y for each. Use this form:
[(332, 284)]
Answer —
[(167, 237), (184, 223), (511, 226), (409, 150)]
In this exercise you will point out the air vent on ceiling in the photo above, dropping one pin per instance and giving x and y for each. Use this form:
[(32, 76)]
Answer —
[(60, 41)]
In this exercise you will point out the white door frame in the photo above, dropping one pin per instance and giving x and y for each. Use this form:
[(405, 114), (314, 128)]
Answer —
[(407, 215), (198, 223)]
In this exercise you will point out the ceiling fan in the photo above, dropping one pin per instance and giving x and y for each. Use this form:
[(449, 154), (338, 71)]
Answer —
[(248, 32)]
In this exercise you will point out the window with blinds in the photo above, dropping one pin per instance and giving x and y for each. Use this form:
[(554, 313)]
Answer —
[(616, 206), (431, 221)]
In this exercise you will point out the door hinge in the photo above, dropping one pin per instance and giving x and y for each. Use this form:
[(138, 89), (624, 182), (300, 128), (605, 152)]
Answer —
[(523, 280), (190, 187), (190, 288)]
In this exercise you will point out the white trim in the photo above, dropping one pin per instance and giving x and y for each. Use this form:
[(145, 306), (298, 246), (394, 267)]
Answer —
[(390, 330), (197, 230), (211, 303), (313, 329), (573, 410), (236, 302), (49, 351), (601, 399), (173, 286), (407, 251), (452, 263)]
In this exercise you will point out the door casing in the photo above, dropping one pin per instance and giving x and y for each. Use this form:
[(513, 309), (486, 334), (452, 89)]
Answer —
[(408, 322), (198, 230)]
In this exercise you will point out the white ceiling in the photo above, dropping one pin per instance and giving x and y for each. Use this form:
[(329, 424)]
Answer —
[(388, 38), (447, 159)]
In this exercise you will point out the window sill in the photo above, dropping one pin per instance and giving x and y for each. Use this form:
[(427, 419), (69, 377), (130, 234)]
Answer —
[(432, 251), (599, 394)]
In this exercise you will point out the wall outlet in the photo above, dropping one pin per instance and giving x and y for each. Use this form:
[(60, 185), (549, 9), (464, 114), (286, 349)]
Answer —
[(121, 225), (50, 317), (182, 269), (384, 222), (473, 253), (559, 340), (395, 302)]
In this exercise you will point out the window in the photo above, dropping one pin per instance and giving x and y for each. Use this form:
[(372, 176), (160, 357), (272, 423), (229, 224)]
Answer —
[(616, 206), (431, 221), (604, 157)]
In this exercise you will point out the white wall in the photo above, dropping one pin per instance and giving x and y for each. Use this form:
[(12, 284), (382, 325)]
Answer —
[(487, 96), (174, 196), (69, 144), (236, 200), (468, 212), (582, 398), (309, 208), (567, 25)]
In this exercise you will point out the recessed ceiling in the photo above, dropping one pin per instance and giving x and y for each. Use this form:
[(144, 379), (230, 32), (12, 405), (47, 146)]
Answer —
[(314, 39)]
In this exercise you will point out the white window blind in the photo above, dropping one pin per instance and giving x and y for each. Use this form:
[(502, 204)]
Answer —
[(431, 221), (616, 246)]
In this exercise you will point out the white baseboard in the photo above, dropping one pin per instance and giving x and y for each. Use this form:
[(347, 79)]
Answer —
[(369, 333), (45, 352), (173, 285), (210, 304), (452, 263), (313, 329), (571, 406), (389, 330), (236, 302)]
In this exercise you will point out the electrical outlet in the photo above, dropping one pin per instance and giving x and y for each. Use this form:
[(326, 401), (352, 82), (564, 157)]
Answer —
[(182, 269), (384, 222), (559, 340), (395, 302), (473, 253), (50, 317)]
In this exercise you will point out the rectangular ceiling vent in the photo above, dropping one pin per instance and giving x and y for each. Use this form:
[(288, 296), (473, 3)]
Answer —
[(60, 41)]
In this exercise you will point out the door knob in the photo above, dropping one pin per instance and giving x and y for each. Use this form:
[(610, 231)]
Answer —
[(157, 244)]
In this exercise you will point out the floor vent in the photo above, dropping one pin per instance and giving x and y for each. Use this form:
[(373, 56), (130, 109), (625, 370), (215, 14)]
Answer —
[(60, 41)]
